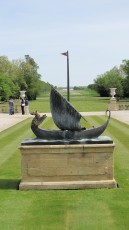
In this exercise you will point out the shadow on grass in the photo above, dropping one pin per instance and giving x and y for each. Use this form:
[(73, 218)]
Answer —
[(9, 184)]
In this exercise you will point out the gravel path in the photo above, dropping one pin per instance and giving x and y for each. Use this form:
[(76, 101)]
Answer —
[(7, 120), (121, 115)]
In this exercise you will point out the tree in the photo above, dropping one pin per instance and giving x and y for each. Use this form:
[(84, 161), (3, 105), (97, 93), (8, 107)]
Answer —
[(110, 79), (7, 87), (44, 87), (125, 71), (30, 79), (19, 74), (5, 65)]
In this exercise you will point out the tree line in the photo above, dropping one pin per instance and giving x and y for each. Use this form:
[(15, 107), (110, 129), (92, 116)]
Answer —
[(20, 74), (117, 77)]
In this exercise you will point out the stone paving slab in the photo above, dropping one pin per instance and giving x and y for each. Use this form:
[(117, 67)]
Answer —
[(121, 115), (7, 120)]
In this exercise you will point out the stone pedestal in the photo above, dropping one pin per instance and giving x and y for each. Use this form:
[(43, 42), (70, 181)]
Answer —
[(77, 166), (113, 105)]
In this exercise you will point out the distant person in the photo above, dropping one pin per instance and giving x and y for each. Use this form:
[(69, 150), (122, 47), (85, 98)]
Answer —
[(11, 107), (23, 106), (26, 106)]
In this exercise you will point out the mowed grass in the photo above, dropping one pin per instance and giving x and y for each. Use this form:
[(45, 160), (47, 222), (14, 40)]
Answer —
[(81, 103), (83, 100), (93, 209)]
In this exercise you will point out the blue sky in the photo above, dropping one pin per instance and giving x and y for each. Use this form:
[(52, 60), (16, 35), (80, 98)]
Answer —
[(95, 32)]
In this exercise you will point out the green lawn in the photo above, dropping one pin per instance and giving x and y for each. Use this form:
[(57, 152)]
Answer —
[(81, 103), (93, 209), (83, 100)]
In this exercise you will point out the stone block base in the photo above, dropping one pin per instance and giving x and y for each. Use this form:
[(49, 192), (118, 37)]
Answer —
[(67, 185), (78, 166), (113, 105)]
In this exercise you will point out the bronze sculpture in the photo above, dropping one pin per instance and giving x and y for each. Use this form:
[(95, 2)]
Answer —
[(67, 119)]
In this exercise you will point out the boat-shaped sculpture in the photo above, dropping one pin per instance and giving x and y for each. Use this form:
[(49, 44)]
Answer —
[(67, 119)]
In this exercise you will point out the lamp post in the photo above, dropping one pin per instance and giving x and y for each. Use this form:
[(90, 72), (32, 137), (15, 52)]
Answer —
[(67, 55)]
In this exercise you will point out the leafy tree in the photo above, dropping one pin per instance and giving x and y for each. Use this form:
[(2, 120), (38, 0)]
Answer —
[(5, 65), (29, 77), (125, 71), (20, 74), (79, 87), (44, 87), (7, 87), (110, 79)]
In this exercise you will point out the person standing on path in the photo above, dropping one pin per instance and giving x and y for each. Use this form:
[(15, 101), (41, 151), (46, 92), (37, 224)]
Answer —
[(11, 107), (26, 106), (22, 106)]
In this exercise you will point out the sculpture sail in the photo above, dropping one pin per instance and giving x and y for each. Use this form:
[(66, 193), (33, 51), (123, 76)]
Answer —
[(65, 116)]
